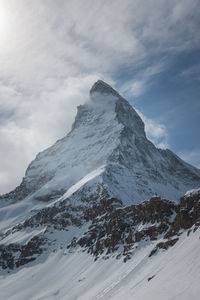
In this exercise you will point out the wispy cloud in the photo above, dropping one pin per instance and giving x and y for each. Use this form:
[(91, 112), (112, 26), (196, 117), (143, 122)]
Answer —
[(192, 72), (142, 80), (155, 131), (29, 125), (192, 157)]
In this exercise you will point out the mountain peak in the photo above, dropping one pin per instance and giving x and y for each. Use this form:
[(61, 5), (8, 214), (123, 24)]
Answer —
[(103, 88), (107, 132)]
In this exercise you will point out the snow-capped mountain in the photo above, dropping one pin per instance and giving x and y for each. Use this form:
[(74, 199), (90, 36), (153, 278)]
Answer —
[(99, 211), (109, 135)]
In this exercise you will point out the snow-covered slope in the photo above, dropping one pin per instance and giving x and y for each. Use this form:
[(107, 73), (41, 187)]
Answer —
[(172, 274)]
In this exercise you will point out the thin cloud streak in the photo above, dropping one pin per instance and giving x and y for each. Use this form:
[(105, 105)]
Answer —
[(155, 131), (192, 157)]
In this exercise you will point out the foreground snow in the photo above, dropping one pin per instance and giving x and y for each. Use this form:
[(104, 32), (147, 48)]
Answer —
[(176, 275)]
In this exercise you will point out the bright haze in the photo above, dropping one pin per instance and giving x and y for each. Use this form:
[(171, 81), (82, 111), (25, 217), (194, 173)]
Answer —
[(51, 53)]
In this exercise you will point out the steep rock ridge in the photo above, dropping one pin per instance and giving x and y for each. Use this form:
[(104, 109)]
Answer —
[(107, 131)]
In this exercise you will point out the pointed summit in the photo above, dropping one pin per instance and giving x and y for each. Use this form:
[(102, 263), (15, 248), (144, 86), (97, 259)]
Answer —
[(103, 88)]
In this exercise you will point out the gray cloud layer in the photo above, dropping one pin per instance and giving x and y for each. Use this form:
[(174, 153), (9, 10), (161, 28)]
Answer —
[(51, 52)]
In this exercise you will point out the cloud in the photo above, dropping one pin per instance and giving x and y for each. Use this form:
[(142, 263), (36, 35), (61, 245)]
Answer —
[(135, 88), (155, 131), (50, 55), (142, 80), (192, 157), (192, 72), (70, 37), (35, 123)]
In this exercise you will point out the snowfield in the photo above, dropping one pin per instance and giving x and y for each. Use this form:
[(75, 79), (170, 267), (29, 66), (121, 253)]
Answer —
[(175, 275)]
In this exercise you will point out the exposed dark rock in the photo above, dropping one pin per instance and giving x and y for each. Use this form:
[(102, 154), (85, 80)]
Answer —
[(102, 87), (148, 221), (119, 226), (151, 277), (16, 255), (113, 230)]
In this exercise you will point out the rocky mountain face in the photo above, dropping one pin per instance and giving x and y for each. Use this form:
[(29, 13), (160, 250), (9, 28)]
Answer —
[(104, 228), (104, 189)]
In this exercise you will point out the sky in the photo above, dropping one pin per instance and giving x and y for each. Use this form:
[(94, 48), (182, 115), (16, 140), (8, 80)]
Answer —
[(52, 51)]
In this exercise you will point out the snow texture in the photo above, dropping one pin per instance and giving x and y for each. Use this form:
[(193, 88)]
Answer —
[(173, 274)]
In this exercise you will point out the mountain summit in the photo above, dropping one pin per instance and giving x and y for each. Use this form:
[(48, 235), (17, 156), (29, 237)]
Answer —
[(107, 139), (103, 88), (100, 197)]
